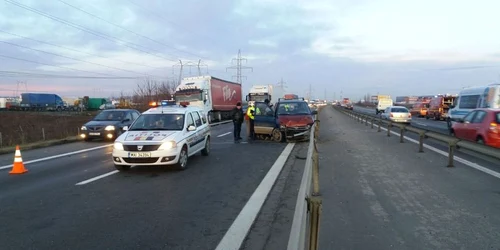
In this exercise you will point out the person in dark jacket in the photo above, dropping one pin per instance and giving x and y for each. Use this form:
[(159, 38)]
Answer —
[(238, 117)]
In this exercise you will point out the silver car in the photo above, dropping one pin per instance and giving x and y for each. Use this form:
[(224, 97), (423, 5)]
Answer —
[(397, 114)]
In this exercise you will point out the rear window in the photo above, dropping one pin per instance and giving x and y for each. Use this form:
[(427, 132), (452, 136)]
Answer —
[(497, 115), (399, 110)]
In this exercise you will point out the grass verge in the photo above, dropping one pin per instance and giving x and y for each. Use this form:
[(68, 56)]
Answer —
[(40, 144)]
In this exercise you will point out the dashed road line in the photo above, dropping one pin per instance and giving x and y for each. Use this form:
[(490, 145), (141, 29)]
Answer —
[(224, 134)]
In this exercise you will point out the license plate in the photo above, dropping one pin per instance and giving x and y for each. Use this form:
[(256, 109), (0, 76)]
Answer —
[(139, 155), (94, 133)]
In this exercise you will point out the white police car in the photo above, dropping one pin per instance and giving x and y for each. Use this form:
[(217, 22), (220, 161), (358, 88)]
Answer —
[(164, 135)]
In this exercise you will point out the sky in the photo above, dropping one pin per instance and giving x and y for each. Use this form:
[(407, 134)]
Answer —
[(342, 48)]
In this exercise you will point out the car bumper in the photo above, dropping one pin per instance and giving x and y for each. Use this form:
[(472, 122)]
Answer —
[(98, 134), (404, 120), (154, 158)]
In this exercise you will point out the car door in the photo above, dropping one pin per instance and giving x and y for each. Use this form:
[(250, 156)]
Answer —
[(199, 137), (264, 123), (461, 128), (190, 135), (475, 125)]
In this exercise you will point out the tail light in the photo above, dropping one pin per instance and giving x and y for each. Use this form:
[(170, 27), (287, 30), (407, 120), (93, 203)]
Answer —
[(494, 127), (409, 115), (391, 115)]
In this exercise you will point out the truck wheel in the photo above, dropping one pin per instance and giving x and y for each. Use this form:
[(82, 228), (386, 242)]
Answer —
[(59, 109)]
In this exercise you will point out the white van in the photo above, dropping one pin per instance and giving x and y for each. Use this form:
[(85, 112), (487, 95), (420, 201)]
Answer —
[(382, 104), (472, 98)]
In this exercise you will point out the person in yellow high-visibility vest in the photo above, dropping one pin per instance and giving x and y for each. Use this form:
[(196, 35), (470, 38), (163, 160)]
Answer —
[(251, 117)]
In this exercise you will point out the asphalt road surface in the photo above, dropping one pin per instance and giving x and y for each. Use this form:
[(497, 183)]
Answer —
[(379, 193), (145, 208), (419, 122)]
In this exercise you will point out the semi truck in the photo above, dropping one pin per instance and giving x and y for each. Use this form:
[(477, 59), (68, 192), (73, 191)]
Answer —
[(41, 102), (259, 93), (217, 97)]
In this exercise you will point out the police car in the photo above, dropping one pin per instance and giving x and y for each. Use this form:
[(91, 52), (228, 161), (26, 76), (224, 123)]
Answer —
[(164, 135)]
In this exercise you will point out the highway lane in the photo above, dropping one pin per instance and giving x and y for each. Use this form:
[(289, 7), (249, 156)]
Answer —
[(147, 208), (381, 194), (34, 154), (482, 160), (419, 122)]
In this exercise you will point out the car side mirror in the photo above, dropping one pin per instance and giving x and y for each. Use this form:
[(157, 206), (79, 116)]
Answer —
[(315, 112), (126, 120), (125, 128), (191, 128)]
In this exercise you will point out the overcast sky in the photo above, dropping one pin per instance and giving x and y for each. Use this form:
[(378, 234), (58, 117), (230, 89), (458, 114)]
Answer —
[(353, 47)]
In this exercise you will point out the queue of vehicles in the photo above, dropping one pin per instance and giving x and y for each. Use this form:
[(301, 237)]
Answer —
[(473, 114), (52, 102), (173, 130)]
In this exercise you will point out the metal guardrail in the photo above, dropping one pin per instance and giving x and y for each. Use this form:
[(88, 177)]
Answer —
[(452, 142), (305, 226)]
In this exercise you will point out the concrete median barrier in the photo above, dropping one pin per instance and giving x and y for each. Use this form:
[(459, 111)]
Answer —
[(452, 143)]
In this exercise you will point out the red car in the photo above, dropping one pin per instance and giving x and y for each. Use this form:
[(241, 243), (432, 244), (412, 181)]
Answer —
[(480, 125)]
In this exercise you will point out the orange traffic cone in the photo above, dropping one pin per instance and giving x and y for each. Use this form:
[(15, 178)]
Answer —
[(18, 167)]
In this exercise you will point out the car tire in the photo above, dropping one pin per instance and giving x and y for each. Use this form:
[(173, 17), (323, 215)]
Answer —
[(277, 135), (122, 167), (206, 151), (183, 159)]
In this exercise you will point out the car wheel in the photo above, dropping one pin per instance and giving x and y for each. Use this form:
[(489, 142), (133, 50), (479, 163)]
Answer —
[(277, 135), (206, 151), (122, 167), (183, 159)]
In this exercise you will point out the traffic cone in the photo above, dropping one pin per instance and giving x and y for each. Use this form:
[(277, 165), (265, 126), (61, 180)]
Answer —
[(18, 167)]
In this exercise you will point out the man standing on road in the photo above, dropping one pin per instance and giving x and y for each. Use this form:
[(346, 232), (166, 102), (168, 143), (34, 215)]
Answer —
[(251, 117), (238, 117)]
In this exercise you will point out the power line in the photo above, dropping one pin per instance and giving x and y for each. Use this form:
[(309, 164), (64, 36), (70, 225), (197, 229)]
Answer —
[(239, 67), (133, 32), (43, 75), (96, 33), (72, 58), (79, 51), (52, 65), (281, 83)]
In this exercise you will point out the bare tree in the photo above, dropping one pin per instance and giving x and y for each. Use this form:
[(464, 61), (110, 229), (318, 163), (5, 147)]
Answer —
[(150, 90)]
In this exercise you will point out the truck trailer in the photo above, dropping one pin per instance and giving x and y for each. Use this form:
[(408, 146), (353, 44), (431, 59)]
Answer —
[(41, 102), (217, 97)]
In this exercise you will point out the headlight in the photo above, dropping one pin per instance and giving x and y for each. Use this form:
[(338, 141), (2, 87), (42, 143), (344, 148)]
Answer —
[(282, 126), (168, 145), (118, 146), (83, 128), (109, 128)]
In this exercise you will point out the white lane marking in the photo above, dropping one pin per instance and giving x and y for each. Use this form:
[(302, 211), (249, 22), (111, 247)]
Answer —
[(59, 156), (238, 231), (96, 178), (456, 158), (421, 124), (224, 134)]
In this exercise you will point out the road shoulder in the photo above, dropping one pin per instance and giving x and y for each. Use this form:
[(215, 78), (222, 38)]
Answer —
[(271, 229)]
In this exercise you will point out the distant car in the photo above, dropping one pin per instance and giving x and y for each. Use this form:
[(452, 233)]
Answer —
[(165, 135), (397, 114), (481, 126), (108, 124)]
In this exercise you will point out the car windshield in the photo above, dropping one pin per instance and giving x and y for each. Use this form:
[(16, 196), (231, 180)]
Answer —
[(158, 122), (111, 115), (399, 110), (293, 108)]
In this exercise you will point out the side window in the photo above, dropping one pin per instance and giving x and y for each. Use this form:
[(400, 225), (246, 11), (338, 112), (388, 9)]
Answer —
[(479, 117), (135, 115), (261, 108), (469, 116), (197, 119), (204, 117), (469, 102), (189, 120), (128, 116)]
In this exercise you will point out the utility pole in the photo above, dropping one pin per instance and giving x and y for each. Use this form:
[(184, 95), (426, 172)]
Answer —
[(239, 67), (200, 65), (180, 70), (281, 83)]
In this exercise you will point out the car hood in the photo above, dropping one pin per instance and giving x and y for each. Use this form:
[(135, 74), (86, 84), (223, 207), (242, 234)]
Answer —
[(149, 136), (295, 120), (102, 123)]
